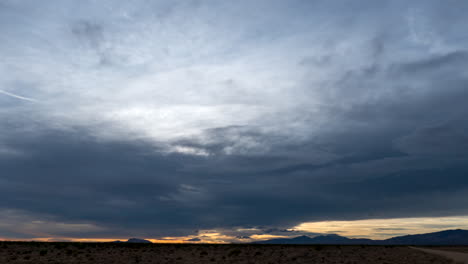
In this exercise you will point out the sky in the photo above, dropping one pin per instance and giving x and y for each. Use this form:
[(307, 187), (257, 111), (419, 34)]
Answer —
[(232, 121)]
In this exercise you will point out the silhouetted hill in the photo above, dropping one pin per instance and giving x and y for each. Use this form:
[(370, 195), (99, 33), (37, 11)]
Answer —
[(133, 240), (447, 237), (296, 240), (323, 239), (138, 240)]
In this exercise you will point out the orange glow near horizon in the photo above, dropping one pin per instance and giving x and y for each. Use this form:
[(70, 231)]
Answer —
[(385, 228), (91, 240), (369, 228)]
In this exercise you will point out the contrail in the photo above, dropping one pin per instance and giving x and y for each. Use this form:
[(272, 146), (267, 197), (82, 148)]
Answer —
[(17, 96)]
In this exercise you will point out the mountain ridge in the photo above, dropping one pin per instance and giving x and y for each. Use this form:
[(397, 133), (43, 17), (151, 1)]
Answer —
[(133, 240), (445, 237)]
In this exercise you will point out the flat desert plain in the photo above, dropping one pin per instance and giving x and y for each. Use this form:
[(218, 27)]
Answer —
[(462, 249), (116, 253)]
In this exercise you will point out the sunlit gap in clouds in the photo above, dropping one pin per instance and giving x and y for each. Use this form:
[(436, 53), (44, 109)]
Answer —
[(385, 228)]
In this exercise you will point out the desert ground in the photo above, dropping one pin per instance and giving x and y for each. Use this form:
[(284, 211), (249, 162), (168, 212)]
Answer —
[(456, 254), (116, 253), (461, 249)]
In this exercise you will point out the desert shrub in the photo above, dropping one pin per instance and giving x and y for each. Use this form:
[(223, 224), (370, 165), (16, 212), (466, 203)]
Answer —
[(234, 252), (80, 245), (59, 245), (43, 252)]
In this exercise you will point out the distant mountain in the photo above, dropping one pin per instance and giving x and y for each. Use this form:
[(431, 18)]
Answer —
[(138, 240), (133, 240), (296, 240), (448, 237), (323, 239)]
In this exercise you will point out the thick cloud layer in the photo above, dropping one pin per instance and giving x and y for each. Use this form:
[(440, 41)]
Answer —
[(161, 119)]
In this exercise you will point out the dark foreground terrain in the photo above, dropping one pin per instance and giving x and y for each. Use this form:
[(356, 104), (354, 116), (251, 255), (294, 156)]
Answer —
[(61, 252), (462, 249)]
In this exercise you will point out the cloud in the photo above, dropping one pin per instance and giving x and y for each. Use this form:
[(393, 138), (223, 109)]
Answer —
[(393, 227), (163, 119), (19, 224), (446, 139), (74, 170)]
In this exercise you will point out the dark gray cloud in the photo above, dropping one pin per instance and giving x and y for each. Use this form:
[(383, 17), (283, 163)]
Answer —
[(243, 122), (91, 33), (135, 188)]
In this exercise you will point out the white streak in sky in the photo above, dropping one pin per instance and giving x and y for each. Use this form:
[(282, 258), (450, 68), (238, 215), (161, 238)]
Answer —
[(18, 96)]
